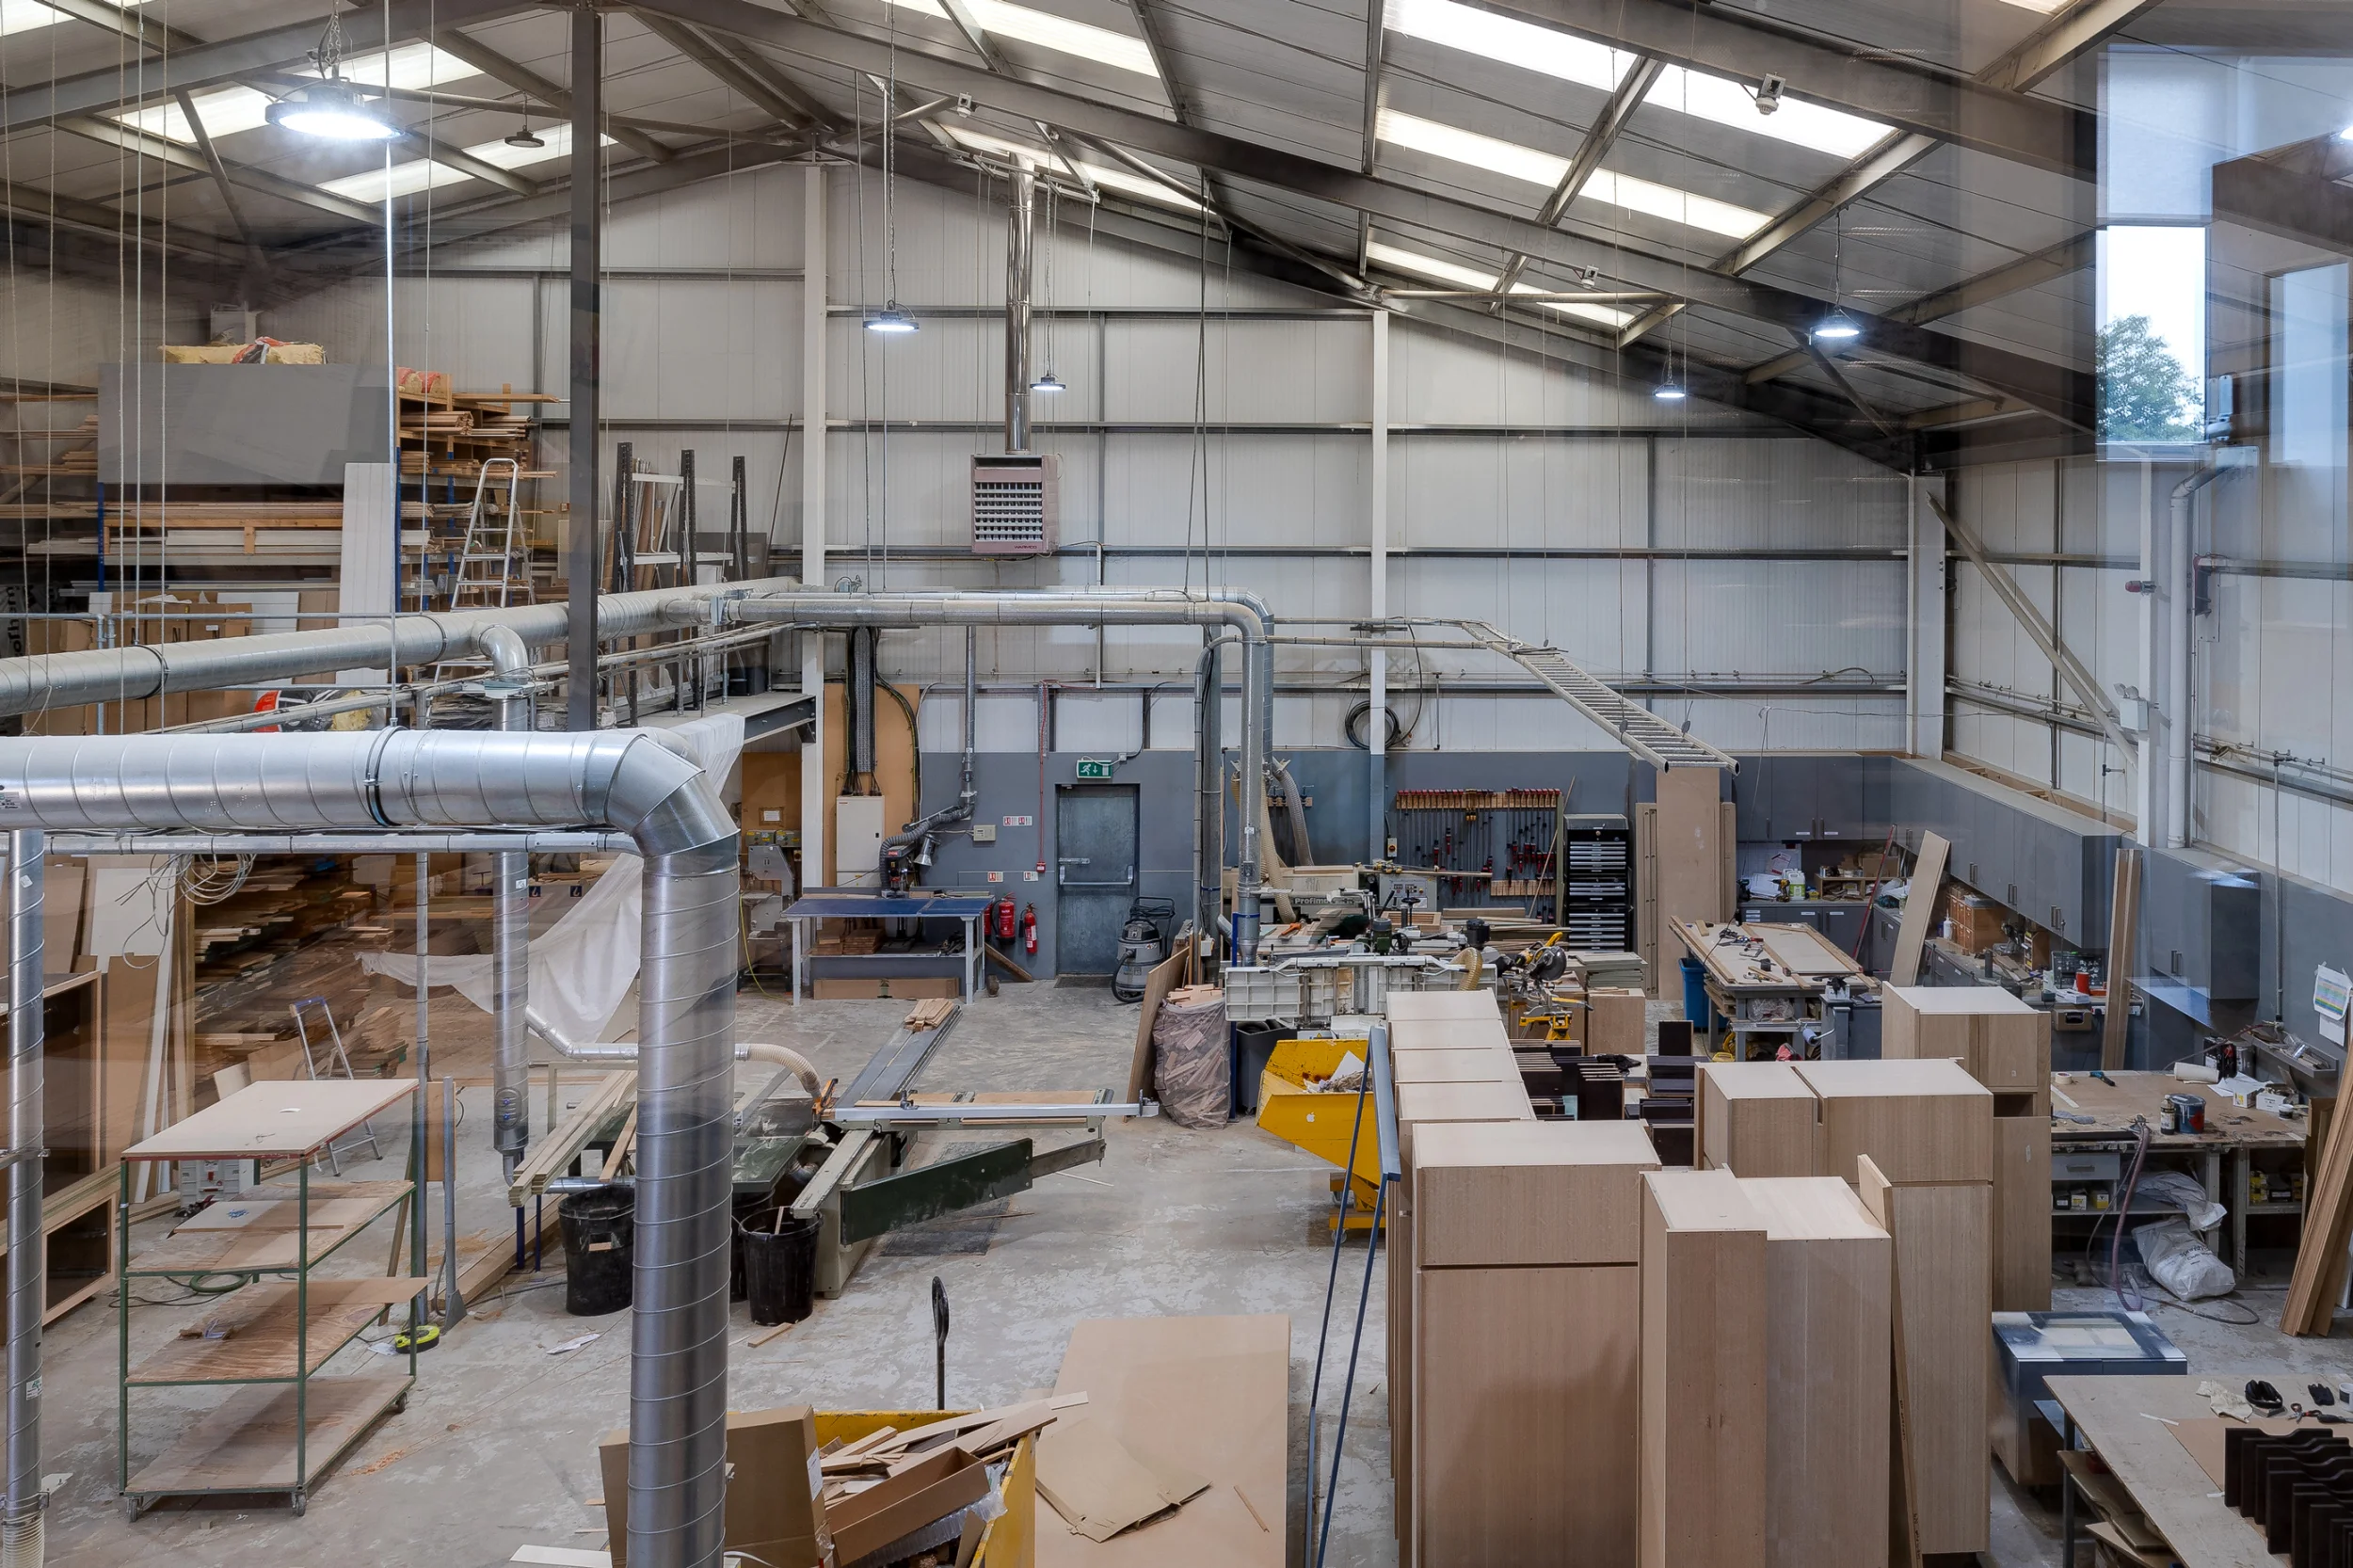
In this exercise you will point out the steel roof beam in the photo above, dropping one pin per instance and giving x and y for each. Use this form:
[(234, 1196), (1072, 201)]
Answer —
[(33, 105), (140, 30), (728, 72), (1917, 98), (2061, 390), (113, 133), (526, 81), (1599, 139)]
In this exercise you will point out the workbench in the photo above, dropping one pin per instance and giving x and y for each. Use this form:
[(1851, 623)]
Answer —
[(2225, 1150), (2132, 1423), (870, 904), (1767, 981)]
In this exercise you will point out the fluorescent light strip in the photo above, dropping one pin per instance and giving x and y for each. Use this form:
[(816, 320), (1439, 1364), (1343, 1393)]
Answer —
[(407, 179), (1544, 169), (226, 111), (1127, 182), (1553, 52), (1120, 51), (1439, 270), (1501, 38)]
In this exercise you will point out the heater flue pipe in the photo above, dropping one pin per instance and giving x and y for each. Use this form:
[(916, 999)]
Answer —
[(24, 1529), (686, 1010), (2181, 718), (1020, 233)]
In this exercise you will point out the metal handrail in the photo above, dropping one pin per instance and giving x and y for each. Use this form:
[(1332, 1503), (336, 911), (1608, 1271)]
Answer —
[(1375, 1084)]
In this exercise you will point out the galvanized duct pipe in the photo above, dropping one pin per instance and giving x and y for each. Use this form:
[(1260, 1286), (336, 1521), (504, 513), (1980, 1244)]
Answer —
[(624, 1053), (1209, 788), (1020, 233), (1244, 612), (686, 1017), (23, 1530), (858, 698), (962, 811), (2181, 718), (509, 690), (48, 680)]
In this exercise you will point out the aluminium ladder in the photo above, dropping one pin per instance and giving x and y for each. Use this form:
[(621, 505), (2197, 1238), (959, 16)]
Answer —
[(338, 1066), (489, 588)]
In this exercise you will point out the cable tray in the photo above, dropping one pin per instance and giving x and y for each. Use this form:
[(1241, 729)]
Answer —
[(1636, 728)]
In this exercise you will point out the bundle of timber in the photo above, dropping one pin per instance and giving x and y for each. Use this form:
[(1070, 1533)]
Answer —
[(1617, 970)]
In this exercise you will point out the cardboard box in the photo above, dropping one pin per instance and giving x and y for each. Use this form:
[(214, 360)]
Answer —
[(2022, 1214), (1918, 1121), (1827, 1377), (1525, 1428), (1537, 1192), (2004, 1044), (1756, 1119), (924, 1493), (1702, 1492), (773, 1511), (1613, 1021)]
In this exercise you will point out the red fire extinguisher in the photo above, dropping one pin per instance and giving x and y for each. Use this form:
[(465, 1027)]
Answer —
[(1003, 918), (1029, 930)]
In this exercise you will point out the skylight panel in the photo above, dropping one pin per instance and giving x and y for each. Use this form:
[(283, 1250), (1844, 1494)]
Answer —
[(1676, 207), (1468, 147), (1800, 123), (1087, 41), (1439, 270), (407, 179), (23, 16), (226, 111), (1515, 43), (1542, 168), (1127, 182)]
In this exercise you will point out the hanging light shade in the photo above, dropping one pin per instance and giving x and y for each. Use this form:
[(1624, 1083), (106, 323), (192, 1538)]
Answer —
[(1837, 327), (525, 140), (332, 110), (1048, 382), (1668, 391), (891, 319)]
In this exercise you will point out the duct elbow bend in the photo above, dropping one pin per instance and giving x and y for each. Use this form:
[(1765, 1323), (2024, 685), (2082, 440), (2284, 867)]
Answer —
[(509, 655), (784, 1056), (670, 807)]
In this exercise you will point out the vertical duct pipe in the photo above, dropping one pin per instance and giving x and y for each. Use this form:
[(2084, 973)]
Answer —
[(23, 1530), (1208, 790), (859, 701), (1377, 659), (587, 258), (686, 1000), (1020, 229), (2181, 716), (510, 928)]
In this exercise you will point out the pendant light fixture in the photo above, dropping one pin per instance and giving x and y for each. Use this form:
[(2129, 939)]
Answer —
[(331, 108), (1837, 329)]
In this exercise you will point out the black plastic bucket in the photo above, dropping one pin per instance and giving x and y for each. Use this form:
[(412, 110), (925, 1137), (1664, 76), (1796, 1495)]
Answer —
[(600, 1250), (781, 1266)]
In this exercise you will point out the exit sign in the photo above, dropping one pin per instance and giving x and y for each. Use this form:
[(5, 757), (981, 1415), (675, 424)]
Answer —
[(1095, 767)]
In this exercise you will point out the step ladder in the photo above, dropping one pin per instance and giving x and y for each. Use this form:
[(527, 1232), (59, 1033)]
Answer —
[(483, 575), (338, 1066)]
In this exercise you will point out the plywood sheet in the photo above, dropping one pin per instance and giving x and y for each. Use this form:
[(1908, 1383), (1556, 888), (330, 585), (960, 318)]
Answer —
[(1756, 1119), (258, 1328), (275, 1121), (1921, 899), (1210, 1394), (1493, 1066), (1702, 1494), (1406, 1007), (2124, 1418), (1942, 1303), (1918, 1121), (1803, 949), (1536, 1192), (248, 1443), (1525, 1416), (1828, 1324), (1690, 846), (2022, 1213)]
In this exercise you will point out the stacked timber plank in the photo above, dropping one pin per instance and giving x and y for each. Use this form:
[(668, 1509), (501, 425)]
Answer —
[(1926, 1131), (2006, 1046), (1452, 1063)]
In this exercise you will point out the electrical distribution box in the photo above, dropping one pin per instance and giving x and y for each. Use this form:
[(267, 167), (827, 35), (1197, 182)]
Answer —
[(1016, 503), (858, 825)]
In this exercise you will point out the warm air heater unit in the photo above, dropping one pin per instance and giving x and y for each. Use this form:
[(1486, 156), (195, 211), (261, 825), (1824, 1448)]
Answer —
[(1016, 503)]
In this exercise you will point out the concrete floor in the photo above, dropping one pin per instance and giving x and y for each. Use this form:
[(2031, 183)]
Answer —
[(497, 1446)]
